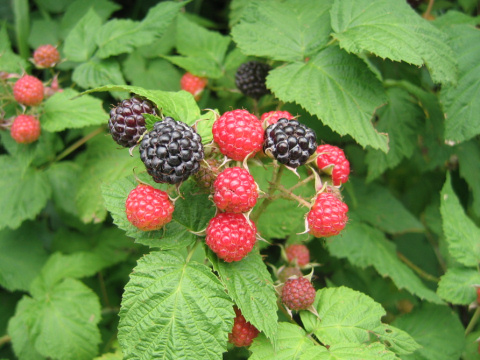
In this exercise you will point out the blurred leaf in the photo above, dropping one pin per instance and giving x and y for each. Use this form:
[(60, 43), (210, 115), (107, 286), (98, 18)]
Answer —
[(104, 162), (460, 101), (349, 352), (78, 44), (461, 233), (392, 29), (68, 305), (400, 119), (366, 246), (250, 286), (54, 6), (349, 316), (19, 267), (457, 286), (437, 329), (24, 192), (468, 154), (292, 342), (97, 72), (192, 312), (289, 30), (63, 177), (9, 61), (58, 110), (376, 205), (353, 93), (43, 31)]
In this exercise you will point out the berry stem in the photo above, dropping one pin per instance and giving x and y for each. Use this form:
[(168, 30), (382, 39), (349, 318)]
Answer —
[(473, 321), (415, 268), (426, 15), (79, 143), (289, 195), (303, 182), (276, 176), (4, 340)]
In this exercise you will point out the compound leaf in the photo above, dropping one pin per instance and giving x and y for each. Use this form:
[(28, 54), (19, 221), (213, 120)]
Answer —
[(365, 246), (338, 88), (174, 309), (457, 285), (78, 44), (250, 286), (461, 233), (391, 29)]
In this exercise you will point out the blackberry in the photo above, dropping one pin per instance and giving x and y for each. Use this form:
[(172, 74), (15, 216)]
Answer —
[(290, 142), (250, 79), (172, 151), (126, 121)]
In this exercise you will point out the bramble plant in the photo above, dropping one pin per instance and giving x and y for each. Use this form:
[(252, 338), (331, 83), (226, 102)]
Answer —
[(256, 179)]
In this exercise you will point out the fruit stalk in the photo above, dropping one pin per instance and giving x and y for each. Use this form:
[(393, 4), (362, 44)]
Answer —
[(276, 176)]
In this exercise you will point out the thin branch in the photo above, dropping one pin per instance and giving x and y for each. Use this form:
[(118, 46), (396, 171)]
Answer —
[(415, 268)]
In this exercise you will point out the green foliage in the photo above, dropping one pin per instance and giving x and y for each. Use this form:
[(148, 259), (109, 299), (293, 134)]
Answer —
[(395, 87)]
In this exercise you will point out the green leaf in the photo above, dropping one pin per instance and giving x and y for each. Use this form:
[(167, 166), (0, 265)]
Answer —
[(457, 285), (392, 29), (289, 30), (119, 36), (199, 45), (176, 234), (63, 177), (437, 329), (43, 31), (400, 119), (9, 61), (460, 101), (377, 206), (338, 88), (366, 246), (349, 316), (77, 10), (173, 309), (292, 342), (461, 233), (468, 5), (97, 72), (250, 286), (58, 110), (68, 306), (103, 162), (468, 154), (78, 44), (151, 74), (54, 6), (180, 105), (19, 267), (349, 352), (24, 192)]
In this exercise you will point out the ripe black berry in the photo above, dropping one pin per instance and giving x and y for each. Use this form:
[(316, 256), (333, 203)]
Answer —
[(172, 151), (250, 79), (290, 142), (126, 121)]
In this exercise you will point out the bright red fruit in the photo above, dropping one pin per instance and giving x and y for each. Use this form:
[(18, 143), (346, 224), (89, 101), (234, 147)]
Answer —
[(46, 56), (231, 236), (238, 133), (273, 116), (148, 208), (243, 332), (235, 190), (328, 216), (298, 253), (332, 155), (298, 294), (25, 129), (28, 90), (193, 84)]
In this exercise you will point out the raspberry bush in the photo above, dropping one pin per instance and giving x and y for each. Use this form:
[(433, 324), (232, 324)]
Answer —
[(243, 179)]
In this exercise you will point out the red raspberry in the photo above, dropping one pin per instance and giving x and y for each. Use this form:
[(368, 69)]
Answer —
[(25, 129), (230, 236), (243, 332), (288, 272), (328, 216), (273, 116), (332, 155), (235, 190), (298, 253), (28, 90), (238, 133), (148, 208), (298, 294), (46, 56), (193, 84)]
